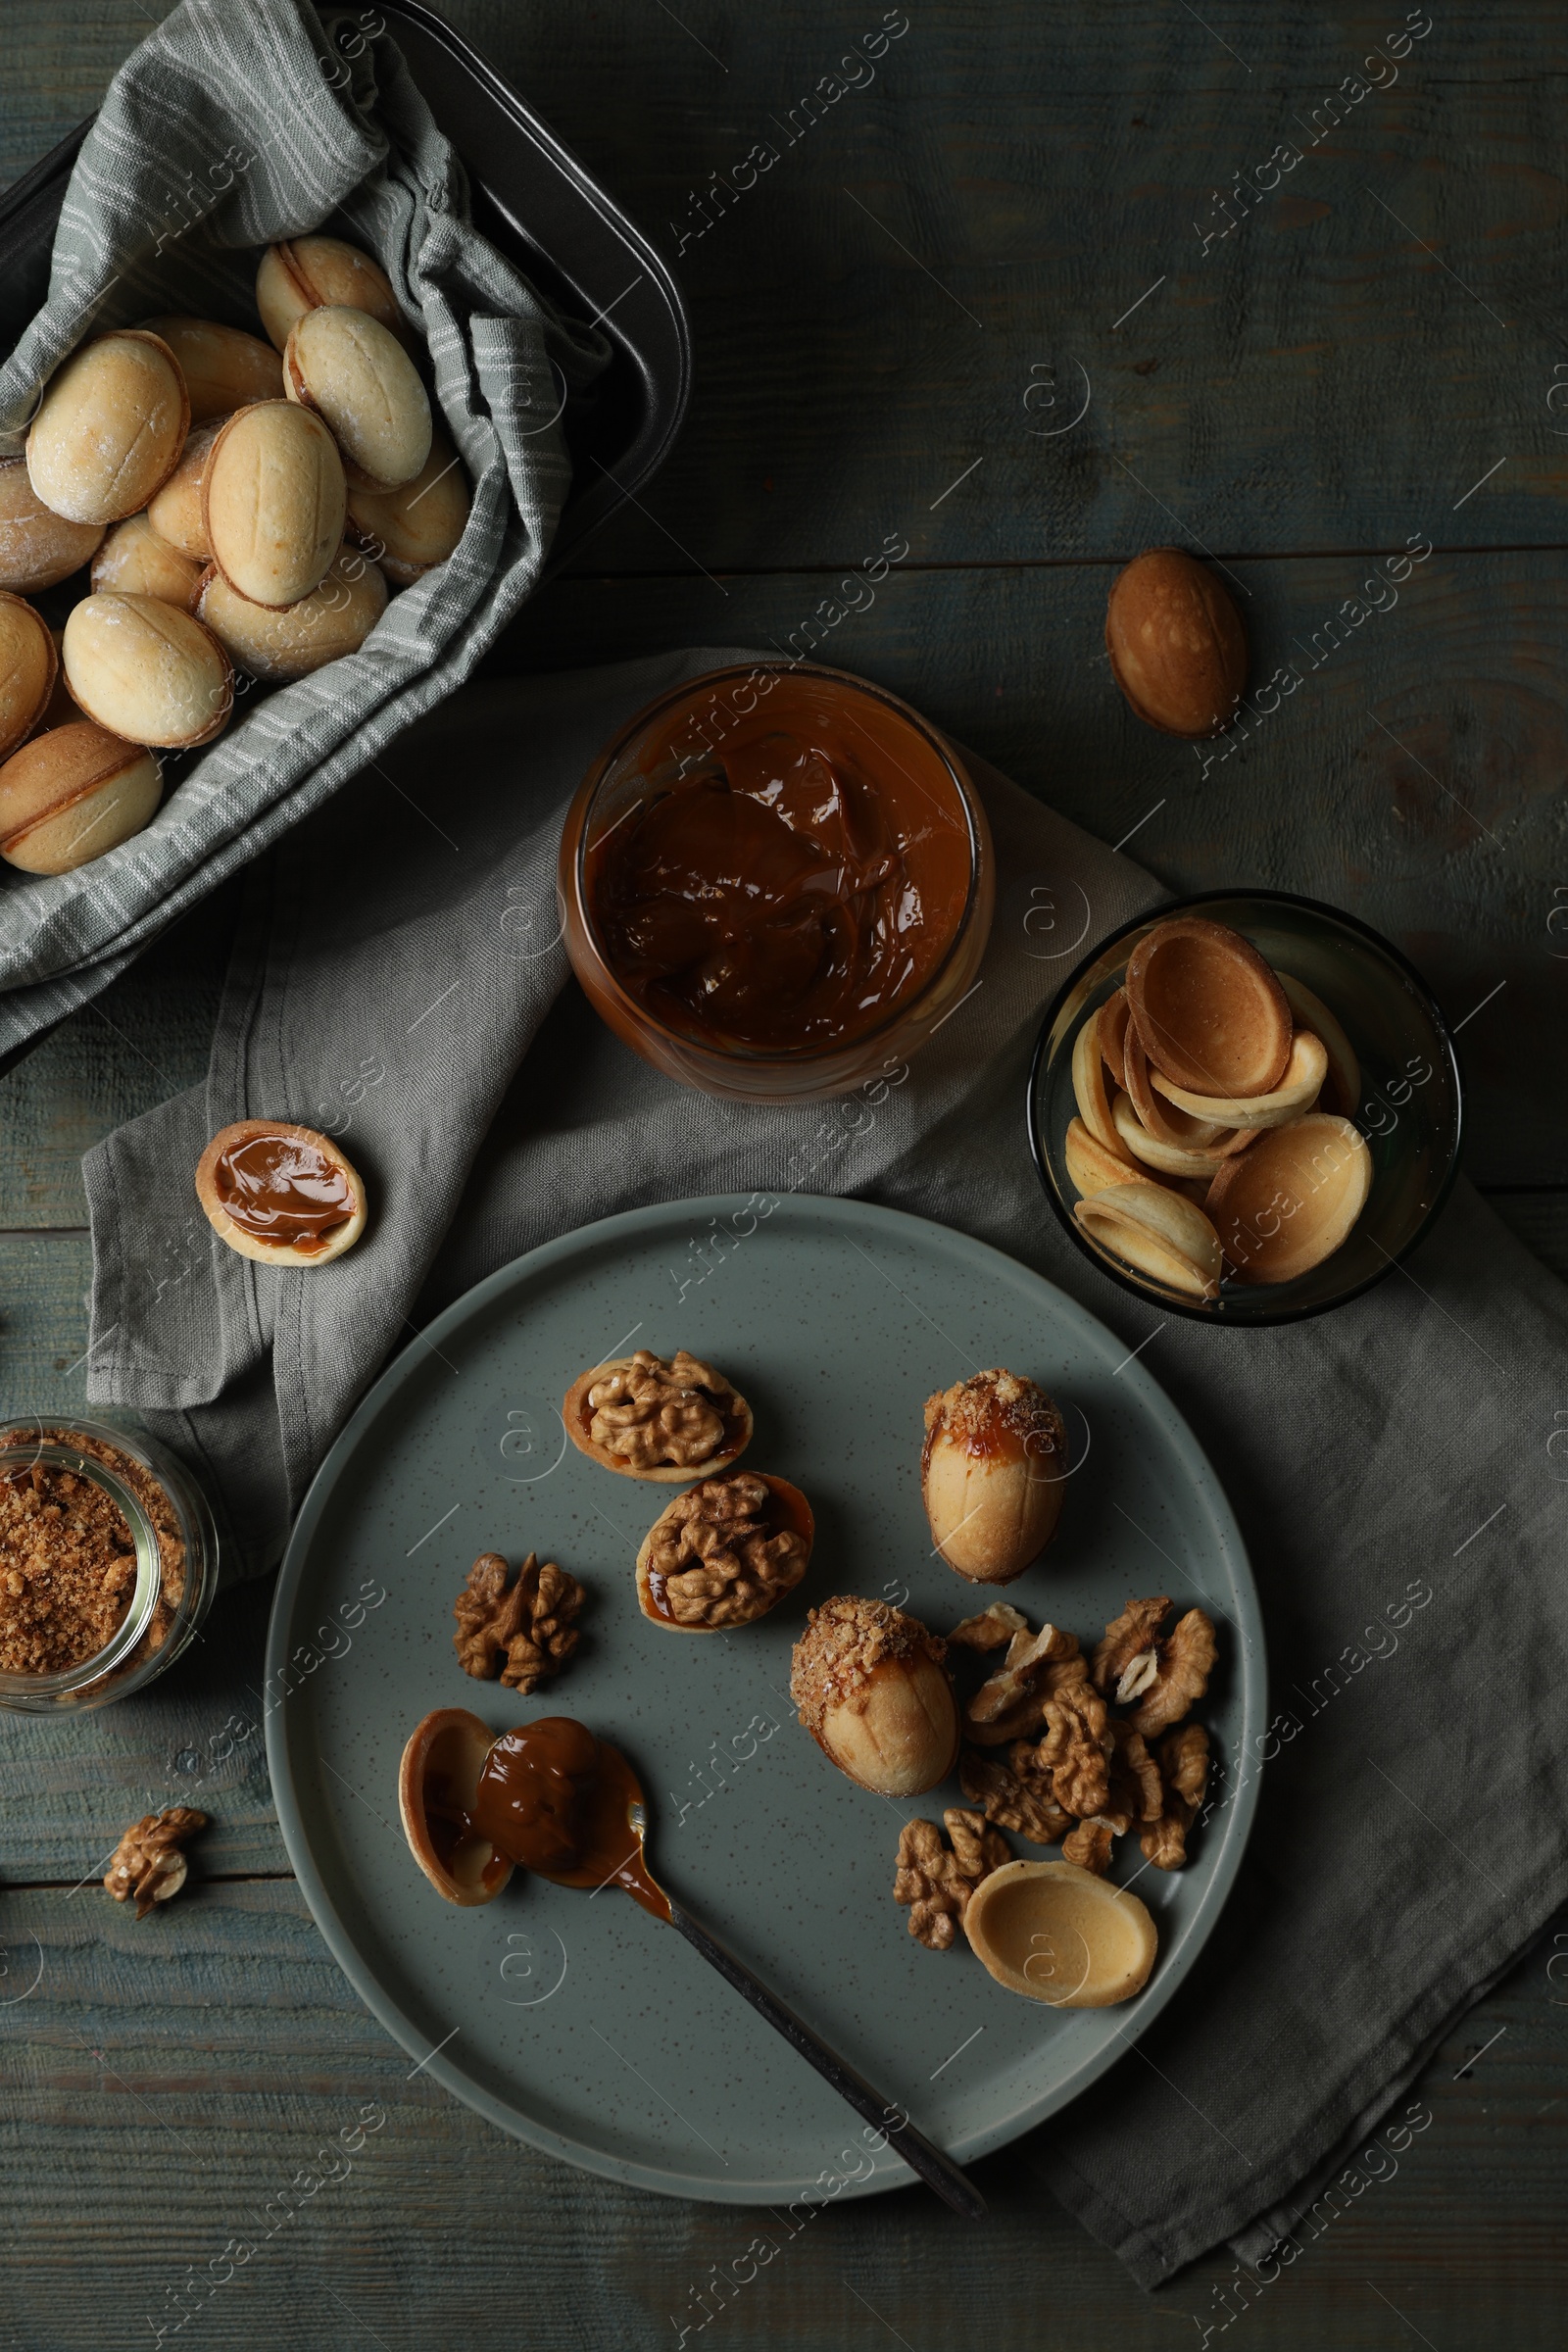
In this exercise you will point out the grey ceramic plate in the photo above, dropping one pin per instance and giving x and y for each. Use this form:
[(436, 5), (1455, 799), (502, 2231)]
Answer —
[(579, 2022)]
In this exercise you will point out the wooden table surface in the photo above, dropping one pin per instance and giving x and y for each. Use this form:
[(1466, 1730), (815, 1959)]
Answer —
[(1020, 215)]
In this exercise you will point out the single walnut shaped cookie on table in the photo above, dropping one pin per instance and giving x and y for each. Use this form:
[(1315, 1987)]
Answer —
[(149, 1862), (725, 1553), (525, 1634), (671, 1421), (936, 1883)]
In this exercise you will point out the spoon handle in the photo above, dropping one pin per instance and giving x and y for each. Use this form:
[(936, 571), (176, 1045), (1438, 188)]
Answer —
[(937, 2170)]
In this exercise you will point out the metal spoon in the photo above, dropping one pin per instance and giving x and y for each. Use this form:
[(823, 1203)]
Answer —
[(937, 2170)]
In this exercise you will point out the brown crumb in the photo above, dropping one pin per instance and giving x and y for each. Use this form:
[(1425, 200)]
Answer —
[(844, 1640), (67, 1559), (68, 1569), (974, 1410)]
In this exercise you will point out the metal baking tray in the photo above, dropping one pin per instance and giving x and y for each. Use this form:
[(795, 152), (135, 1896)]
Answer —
[(540, 207)]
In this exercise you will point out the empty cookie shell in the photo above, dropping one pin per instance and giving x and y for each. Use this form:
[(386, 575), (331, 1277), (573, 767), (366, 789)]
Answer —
[(1090, 1165), (1160, 1118), (1208, 1009), (1171, 1159), (1311, 1011), (1303, 1075), (1111, 1034), (1059, 1935), (1289, 1202), (279, 1193), (1158, 1231), (438, 1783), (1177, 648), (1089, 1089)]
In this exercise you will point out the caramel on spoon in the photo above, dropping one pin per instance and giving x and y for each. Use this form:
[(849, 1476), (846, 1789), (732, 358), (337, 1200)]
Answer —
[(552, 1798)]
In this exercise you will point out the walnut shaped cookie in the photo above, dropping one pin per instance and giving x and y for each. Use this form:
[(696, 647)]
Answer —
[(667, 1419), (993, 1474), (725, 1553), (871, 1688)]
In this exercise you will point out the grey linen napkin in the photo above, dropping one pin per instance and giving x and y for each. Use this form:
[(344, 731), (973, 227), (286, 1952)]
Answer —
[(228, 127), (398, 974)]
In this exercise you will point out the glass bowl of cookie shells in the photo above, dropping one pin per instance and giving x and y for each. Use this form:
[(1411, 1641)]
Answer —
[(1246, 1107)]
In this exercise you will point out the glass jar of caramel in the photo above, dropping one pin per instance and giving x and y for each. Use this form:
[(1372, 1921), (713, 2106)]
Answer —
[(777, 879), (108, 1563)]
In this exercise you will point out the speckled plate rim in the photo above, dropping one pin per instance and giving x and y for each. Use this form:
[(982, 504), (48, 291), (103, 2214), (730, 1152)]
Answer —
[(874, 1223)]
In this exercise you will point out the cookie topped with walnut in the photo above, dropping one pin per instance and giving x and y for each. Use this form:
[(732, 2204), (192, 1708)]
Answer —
[(725, 1553), (647, 1416)]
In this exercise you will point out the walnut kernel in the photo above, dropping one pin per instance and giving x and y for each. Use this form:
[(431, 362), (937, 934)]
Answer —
[(1016, 1795), (937, 1884), (1184, 1770), (148, 1862), (657, 1418), (1184, 1662), (532, 1626)]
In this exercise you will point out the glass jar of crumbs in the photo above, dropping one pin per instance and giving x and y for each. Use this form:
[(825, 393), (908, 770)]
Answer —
[(108, 1563)]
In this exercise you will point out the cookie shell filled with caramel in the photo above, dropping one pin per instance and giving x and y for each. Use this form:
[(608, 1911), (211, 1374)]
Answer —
[(874, 1692), (993, 1474), (438, 1781), (224, 368), (279, 1193), (38, 548), (725, 1553), (666, 1419), (349, 369)]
